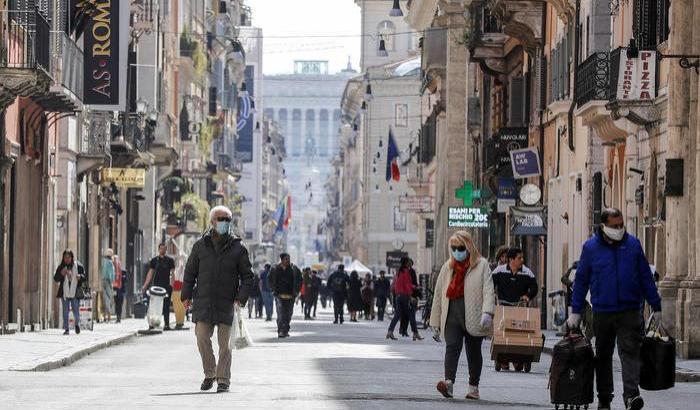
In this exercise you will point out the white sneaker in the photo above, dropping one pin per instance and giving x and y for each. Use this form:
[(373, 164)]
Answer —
[(473, 393)]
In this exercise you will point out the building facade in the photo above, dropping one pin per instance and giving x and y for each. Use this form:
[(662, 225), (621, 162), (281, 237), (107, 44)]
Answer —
[(305, 106)]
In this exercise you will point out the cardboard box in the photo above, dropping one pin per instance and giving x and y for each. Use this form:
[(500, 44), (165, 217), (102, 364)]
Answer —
[(518, 319), (517, 333)]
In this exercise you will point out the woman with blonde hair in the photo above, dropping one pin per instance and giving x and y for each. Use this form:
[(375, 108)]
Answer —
[(462, 310)]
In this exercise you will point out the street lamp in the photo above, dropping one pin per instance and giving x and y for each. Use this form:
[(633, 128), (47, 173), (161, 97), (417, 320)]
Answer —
[(396, 10), (141, 106), (382, 49), (368, 93)]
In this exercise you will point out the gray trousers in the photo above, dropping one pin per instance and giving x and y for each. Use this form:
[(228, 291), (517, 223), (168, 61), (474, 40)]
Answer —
[(627, 329), (222, 370), (456, 334)]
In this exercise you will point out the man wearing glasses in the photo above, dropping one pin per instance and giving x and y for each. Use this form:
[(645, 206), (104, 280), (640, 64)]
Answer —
[(218, 275)]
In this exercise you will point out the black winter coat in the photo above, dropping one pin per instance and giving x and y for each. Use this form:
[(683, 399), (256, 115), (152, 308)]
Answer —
[(285, 281), (355, 303), (214, 279), (58, 277)]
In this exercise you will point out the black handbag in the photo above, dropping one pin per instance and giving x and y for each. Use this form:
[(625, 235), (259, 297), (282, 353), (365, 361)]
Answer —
[(658, 360)]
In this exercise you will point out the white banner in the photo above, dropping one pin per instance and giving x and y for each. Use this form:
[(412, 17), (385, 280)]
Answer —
[(637, 76)]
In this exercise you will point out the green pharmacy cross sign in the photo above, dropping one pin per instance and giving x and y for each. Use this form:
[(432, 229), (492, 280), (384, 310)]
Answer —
[(468, 194), (467, 216)]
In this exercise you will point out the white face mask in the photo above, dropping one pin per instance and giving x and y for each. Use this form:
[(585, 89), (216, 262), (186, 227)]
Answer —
[(613, 233)]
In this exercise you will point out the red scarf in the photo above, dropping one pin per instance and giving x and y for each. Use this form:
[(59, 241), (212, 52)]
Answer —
[(456, 288)]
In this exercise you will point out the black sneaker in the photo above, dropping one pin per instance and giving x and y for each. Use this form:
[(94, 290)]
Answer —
[(335, 322), (65, 332), (634, 403), (207, 384), (77, 329), (167, 328), (221, 388)]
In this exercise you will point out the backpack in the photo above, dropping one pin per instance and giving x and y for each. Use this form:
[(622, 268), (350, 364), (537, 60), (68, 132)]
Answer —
[(571, 373)]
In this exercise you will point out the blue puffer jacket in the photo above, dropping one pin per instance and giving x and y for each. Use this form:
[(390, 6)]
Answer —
[(618, 276)]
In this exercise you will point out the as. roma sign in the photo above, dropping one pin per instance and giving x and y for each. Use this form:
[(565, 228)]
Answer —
[(106, 42)]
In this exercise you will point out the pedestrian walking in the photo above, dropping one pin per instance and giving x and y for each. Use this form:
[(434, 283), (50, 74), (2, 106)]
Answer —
[(403, 327), (368, 297), (218, 276), (463, 306), (338, 285), (613, 267), (381, 291), (403, 288), (255, 298), (312, 287), (161, 271), (107, 275), (119, 287), (70, 276), (305, 273), (285, 282), (324, 294), (501, 257), (266, 292), (355, 303)]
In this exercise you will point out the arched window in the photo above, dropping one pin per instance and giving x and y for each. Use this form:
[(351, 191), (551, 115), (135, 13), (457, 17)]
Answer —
[(270, 114), (386, 31)]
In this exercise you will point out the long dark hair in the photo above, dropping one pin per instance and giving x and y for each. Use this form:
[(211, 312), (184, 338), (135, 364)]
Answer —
[(68, 252)]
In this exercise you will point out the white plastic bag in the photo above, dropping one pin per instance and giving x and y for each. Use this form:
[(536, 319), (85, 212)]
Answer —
[(240, 338)]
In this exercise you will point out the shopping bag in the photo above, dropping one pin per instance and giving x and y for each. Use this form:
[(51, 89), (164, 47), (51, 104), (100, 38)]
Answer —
[(658, 357), (240, 338)]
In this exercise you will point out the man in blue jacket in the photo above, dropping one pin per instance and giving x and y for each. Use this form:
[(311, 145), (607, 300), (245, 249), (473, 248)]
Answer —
[(613, 267)]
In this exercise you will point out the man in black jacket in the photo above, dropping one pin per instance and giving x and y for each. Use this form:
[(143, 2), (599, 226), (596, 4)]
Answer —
[(218, 276), (338, 285), (285, 283), (381, 292)]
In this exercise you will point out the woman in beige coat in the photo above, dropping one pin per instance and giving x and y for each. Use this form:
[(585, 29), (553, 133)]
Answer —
[(462, 310)]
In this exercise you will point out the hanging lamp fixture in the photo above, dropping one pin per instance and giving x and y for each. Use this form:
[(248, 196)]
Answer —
[(382, 49), (368, 93), (396, 10)]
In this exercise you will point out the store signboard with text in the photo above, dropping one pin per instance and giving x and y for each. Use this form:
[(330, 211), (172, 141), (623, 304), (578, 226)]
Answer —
[(463, 217)]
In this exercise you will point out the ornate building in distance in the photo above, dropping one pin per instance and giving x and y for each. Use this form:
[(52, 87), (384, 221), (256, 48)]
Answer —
[(306, 107)]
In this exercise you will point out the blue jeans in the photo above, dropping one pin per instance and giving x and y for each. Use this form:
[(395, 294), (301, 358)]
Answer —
[(267, 301), (70, 304)]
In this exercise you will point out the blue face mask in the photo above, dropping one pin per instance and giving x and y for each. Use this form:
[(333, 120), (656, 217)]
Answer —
[(460, 256), (222, 227)]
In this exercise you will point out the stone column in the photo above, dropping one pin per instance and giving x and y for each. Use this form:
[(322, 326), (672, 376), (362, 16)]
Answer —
[(688, 302), (677, 208), (454, 154)]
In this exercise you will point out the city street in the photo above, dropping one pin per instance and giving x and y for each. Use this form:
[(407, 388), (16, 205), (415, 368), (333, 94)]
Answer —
[(322, 366)]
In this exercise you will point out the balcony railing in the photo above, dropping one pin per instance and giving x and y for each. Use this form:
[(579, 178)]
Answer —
[(67, 63), (24, 40), (598, 77), (95, 142), (593, 79)]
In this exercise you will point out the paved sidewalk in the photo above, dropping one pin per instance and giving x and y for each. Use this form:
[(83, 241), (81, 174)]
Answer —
[(686, 370), (50, 349)]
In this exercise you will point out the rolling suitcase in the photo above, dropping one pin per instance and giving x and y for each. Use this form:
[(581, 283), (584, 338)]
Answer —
[(571, 373)]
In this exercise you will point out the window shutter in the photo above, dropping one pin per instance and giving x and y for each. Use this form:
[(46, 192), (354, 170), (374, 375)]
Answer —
[(644, 24), (516, 103), (554, 90), (540, 79), (212, 101)]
